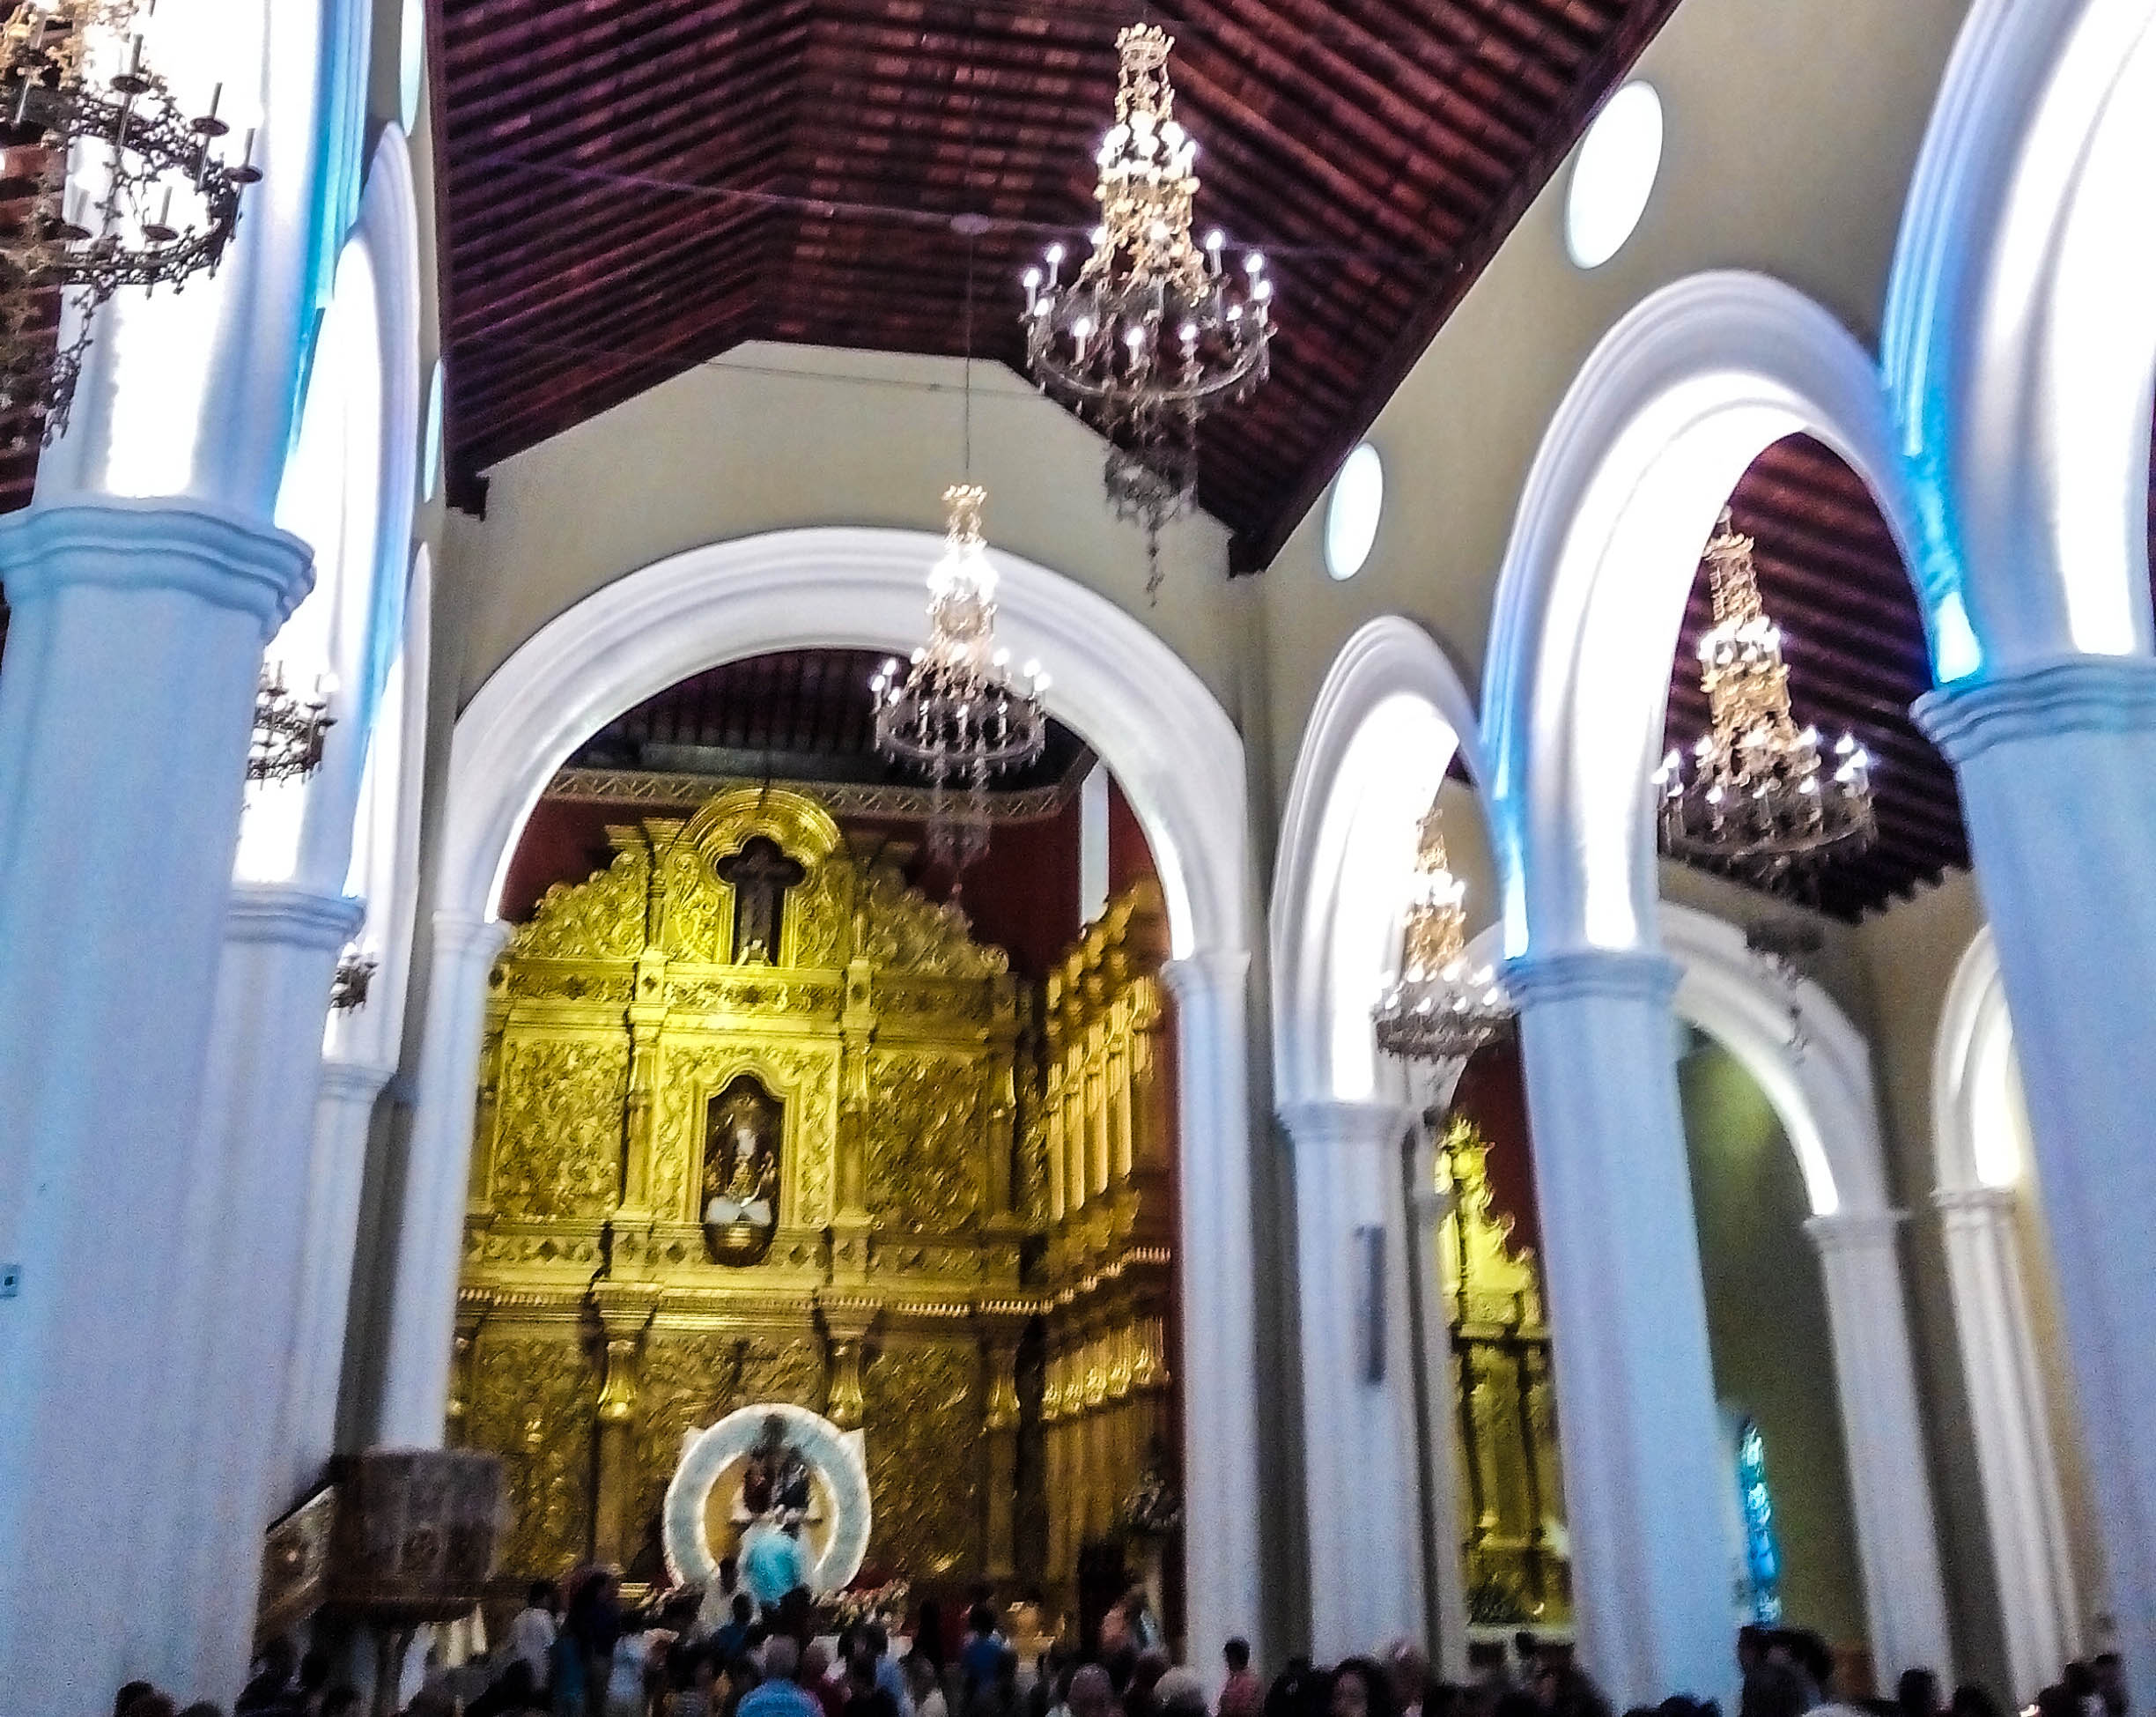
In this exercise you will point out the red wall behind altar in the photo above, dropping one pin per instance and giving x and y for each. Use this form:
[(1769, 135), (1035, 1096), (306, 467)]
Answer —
[(1493, 1094), (1023, 895)]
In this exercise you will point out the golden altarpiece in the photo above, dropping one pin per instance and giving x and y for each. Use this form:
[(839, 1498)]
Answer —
[(1511, 1501), (759, 1122)]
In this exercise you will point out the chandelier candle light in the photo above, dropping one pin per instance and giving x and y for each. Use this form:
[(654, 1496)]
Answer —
[(1443, 1007), (1149, 333), (955, 713), (77, 102), (1759, 800)]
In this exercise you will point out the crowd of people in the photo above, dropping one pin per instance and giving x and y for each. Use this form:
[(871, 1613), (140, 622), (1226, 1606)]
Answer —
[(582, 1654)]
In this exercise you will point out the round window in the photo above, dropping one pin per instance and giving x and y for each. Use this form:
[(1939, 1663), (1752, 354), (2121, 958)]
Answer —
[(1351, 520), (1613, 175)]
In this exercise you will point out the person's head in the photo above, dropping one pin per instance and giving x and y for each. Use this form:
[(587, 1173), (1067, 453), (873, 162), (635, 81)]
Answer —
[(1237, 1654), (2058, 1701), (920, 1675), (204, 1708), (1360, 1688), (1970, 1700), (980, 1619), (1152, 1664), (152, 1704), (1917, 1693), (129, 1691), (1092, 1694), (781, 1658), (341, 1702), (744, 1608), (2080, 1680), (1751, 1647), (816, 1662), (861, 1670), (1179, 1694), (1408, 1668), (2111, 1679), (1526, 1647), (875, 1637), (541, 1595), (1773, 1690)]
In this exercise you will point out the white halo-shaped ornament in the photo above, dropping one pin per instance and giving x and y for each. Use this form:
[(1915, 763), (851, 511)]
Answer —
[(838, 1458)]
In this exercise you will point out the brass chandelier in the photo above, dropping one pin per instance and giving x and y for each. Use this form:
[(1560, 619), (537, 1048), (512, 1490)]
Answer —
[(955, 713), (291, 729), (1758, 800), (76, 98), (1150, 333), (1442, 1008)]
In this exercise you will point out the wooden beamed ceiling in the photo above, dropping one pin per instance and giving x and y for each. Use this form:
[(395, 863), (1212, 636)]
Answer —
[(633, 187)]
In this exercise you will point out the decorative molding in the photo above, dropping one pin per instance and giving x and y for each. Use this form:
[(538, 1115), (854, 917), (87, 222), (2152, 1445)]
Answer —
[(656, 789), (2076, 694), (295, 917), (1618, 974), (1346, 1125), (1975, 1204), (1856, 1231), (122, 543)]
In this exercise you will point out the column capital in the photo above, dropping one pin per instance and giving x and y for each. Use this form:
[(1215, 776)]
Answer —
[(464, 935), (1207, 971), (2075, 694), (1344, 1122), (1625, 974), (291, 917), (354, 1082), (225, 558), (1969, 1204), (1856, 1231)]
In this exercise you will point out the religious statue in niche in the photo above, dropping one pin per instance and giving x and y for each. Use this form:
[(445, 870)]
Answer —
[(759, 873), (742, 1134)]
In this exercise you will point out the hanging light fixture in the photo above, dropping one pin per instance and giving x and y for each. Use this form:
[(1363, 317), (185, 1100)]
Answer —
[(955, 713), (1150, 333), (290, 730), (352, 980), (1443, 1007), (1759, 799), (152, 205)]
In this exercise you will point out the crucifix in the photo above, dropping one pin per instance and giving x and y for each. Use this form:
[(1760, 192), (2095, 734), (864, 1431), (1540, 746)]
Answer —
[(759, 875)]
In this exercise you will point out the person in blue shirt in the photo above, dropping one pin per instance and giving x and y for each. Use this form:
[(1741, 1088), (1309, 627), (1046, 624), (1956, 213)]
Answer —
[(778, 1694), (980, 1661), (774, 1564)]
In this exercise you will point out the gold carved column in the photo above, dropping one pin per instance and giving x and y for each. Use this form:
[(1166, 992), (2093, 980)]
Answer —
[(1002, 1424)]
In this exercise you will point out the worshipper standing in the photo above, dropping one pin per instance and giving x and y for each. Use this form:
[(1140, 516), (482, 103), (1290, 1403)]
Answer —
[(774, 1564), (1139, 1699), (888, 1676), (1360, 1688), (269, 1691), (925, 1683), (698, 1699), (1180, 1694), (980, 1660), (778, 1694), (152, 1704), (532, 1633), (865, 1697), (1092, 1694), (1970, 1700), (129, 1691), (588, 1632), (2111, 1684), (1408, 1670), (819, 1675), (1917, 1694), (1242, 1695)]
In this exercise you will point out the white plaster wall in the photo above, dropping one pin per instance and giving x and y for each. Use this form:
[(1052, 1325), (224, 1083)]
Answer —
[(772, 437)]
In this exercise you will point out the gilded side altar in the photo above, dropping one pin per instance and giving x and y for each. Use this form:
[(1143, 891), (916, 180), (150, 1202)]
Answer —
[(757, 1121)]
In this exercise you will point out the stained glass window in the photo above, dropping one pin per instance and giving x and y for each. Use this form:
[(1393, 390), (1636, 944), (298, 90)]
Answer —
[(1763, 1547)]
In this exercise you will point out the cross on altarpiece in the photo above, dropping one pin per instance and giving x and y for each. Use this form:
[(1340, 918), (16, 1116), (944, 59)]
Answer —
[(759, 875)]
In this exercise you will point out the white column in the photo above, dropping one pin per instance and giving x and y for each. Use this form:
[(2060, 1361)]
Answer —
[(1890, 1484), (2017, 1463), (2057, 770), (1635, 1403), (337, 1172), (245, 1228), (1222, 1498), (1445, 1567), (1359, 1434), (136, 632), (429, 1218)]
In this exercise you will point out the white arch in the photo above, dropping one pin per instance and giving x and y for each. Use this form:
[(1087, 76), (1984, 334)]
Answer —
[(1180, 760), (1663, 417), (1388, 720), (1979, 1141), (2020, 339), (1823, 1096)]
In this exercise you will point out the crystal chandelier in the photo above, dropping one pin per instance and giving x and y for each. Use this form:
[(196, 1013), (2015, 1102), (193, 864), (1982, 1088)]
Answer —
[(1442, 1009), (1757, 800), (290, 730), (955, 712), (77, 98), (1150, 333)]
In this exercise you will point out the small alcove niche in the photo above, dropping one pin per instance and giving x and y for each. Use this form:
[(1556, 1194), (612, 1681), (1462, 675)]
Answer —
[(743, 1131)]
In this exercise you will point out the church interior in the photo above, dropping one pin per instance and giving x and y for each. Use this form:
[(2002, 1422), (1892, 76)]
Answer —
[(1316, 828)]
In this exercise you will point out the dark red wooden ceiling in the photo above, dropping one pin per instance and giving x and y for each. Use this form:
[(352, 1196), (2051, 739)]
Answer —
[(1830, 576), (632, 186), (792, 714)]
